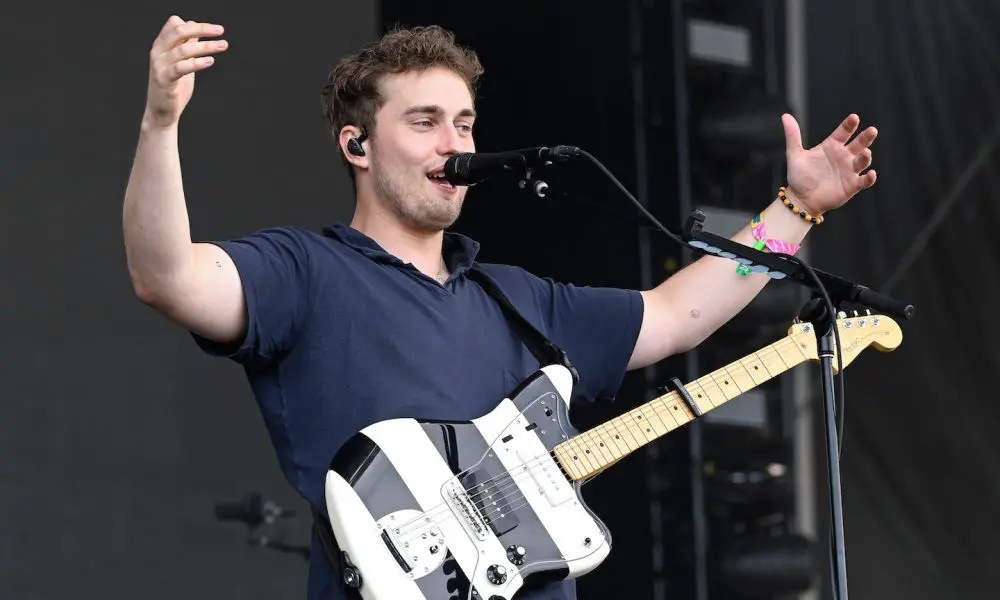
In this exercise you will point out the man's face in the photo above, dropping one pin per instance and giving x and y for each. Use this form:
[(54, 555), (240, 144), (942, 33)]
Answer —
[(426, 118)]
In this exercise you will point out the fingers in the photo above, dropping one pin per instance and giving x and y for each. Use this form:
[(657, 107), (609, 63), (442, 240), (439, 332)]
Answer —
[(863, 160), (179, 49), (864, 139), (177, 31), (196, 49), (173, 21), (864, 181), (868, 179), (185, 59), (176, 70), (793, 135), (846, 129)]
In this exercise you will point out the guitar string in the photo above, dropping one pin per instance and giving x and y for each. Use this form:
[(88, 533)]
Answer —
[(511, 479), (619, 427), (505, 481), (764, 352)]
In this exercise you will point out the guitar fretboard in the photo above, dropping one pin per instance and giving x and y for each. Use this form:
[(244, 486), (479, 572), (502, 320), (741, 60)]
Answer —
[(594, 450)]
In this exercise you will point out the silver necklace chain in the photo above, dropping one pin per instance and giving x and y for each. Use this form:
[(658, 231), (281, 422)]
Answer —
[(442, 274)]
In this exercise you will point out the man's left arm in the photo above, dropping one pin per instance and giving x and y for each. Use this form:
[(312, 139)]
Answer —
[(688, 307)]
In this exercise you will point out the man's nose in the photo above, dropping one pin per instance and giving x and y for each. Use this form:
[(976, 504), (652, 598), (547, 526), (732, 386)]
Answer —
[(451, 141)]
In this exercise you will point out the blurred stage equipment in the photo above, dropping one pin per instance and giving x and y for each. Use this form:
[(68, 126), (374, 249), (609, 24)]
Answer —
[(737, 105), (769, 566), (727, 529), (261, 517), (756, 550), (741, 130), (735, 498)]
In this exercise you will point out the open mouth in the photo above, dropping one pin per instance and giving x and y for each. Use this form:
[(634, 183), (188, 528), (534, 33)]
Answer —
[(438, 179)]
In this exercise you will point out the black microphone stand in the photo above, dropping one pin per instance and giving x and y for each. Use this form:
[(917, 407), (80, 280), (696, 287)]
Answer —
[(828, 293)]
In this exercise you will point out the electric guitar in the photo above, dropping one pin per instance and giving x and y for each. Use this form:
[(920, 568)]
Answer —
[(436, 510)]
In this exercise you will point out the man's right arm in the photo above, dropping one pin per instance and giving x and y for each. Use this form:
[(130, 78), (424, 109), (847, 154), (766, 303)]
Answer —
[(195, 285)]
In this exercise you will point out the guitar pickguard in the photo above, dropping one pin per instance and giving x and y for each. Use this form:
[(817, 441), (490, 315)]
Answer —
[(465, 510)]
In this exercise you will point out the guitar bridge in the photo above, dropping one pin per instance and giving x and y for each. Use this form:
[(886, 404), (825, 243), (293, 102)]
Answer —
[(414, 540), (468, 513), (391, 545)]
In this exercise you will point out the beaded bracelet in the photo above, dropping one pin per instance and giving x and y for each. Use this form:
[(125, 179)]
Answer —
[(760, 234), (797, 210)]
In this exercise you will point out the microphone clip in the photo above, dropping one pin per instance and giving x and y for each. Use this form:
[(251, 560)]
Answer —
[(548, 156), (538, 186)]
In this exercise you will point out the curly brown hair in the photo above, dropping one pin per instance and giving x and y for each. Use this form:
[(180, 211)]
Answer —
[(351, 95)]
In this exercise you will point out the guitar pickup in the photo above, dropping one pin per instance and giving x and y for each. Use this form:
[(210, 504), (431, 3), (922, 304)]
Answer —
[(549, 477)]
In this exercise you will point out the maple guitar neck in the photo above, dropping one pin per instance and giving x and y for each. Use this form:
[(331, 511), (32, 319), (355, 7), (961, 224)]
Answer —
[(592, 451)]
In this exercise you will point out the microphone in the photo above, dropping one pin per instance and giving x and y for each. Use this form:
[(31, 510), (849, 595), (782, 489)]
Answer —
[(471, 168)]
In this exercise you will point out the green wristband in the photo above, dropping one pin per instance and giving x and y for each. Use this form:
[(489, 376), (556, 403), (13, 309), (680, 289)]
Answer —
[(743, 270)]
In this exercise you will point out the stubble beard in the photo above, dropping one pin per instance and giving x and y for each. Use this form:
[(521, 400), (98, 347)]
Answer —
[(415, 208)]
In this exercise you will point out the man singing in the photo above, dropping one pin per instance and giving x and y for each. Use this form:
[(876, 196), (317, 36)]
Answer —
[(378, 319)]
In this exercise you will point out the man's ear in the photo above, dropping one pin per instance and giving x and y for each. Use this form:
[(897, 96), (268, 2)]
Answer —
[(352, 144)]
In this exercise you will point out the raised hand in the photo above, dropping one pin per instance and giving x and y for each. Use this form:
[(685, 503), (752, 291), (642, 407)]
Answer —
[(178, 52), (826, 176)]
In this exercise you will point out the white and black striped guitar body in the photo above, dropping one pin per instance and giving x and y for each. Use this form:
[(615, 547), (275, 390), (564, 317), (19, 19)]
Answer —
[(434, 510)]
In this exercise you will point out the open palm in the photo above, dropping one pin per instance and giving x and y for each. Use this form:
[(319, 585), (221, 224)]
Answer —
[(826, 176)]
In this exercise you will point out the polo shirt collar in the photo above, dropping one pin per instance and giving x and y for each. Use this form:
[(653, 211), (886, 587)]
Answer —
[(459, 251)]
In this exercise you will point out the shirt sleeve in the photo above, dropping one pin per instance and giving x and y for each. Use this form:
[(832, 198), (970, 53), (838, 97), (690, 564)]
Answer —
[(597, 327), (275, 271)]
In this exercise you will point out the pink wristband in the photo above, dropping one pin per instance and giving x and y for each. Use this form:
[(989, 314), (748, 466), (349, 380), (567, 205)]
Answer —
[(778, 246)]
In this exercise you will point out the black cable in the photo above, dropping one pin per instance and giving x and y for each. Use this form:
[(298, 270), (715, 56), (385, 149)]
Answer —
[(838, 389), (792, 259)]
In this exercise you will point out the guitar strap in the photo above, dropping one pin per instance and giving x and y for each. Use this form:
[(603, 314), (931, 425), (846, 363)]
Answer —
[(544, 351)]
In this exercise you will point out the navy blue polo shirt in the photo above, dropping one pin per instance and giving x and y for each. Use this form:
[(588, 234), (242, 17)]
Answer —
[(342, 334)]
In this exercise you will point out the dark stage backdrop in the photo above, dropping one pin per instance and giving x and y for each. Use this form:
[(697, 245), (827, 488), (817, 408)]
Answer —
[(921, 490), (117, 435)]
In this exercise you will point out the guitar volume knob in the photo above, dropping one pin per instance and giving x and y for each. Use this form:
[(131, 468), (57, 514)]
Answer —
[(496, 574), (515, 554)]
